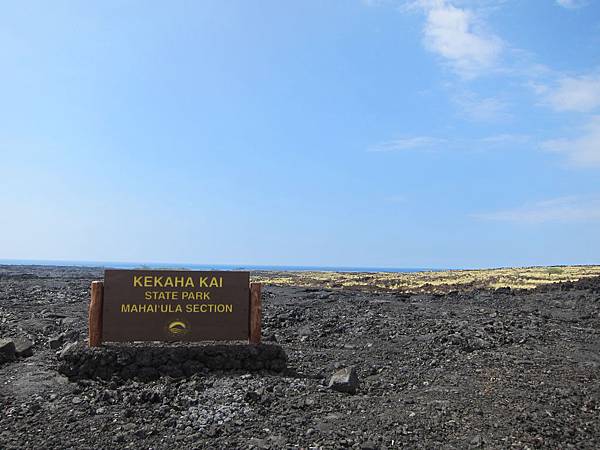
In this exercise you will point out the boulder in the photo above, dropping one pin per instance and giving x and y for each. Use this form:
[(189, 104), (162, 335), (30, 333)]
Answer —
[(345, 380)]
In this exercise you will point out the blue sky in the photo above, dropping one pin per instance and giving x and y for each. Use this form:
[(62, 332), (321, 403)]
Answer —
[(356, 133)]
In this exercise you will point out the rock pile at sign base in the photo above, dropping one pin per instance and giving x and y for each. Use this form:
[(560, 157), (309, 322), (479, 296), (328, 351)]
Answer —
[(143, 362), (345, 380)]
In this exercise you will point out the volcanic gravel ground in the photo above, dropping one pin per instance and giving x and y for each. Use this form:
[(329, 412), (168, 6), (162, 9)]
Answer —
[(492, 369)]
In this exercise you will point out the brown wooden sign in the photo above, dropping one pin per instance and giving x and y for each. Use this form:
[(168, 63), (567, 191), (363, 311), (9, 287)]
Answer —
[(166, 305)]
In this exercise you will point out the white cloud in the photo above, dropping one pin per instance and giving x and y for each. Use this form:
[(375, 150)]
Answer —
[(458, 36), (571, 4), (561, 210), (576, 94), (491, 142), (583, 151), (481, 109), (407, 144), (506, 138), (538, 88), (455, 31), (580, 94)]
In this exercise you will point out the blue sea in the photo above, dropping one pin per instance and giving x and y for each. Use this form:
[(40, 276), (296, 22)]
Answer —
[(145, 265)]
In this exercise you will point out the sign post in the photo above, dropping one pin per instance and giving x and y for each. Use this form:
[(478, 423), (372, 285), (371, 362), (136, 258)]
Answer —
[(95, 313), (161, 305), (255, 314)]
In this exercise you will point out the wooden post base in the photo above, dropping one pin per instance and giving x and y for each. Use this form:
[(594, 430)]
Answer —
[(255, 313), (95, 314)]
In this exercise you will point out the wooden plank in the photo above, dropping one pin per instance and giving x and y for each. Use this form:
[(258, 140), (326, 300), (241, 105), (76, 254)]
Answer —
[(95, 314), (255, 313)]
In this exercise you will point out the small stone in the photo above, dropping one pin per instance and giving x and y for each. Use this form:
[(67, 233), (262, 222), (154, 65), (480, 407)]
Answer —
[(23, 347), (476, 441), (344, 380), (67, 350), (252, 396), (277, 441), (55, 343), (258, 443), (7, 350), (76, 400)]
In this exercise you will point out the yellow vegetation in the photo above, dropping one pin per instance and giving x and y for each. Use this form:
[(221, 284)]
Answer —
[(443, 281)]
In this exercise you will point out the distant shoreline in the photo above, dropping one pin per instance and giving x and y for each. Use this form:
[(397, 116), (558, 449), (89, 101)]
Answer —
[(271, 268), (250, 267)]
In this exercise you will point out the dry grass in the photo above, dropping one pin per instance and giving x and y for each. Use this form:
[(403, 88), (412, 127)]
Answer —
[(444, 281)]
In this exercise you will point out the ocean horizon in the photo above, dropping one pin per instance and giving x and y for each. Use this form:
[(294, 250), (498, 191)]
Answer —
[(251, 267)]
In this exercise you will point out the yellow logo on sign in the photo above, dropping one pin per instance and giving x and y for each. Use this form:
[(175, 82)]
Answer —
[(178, 327)]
